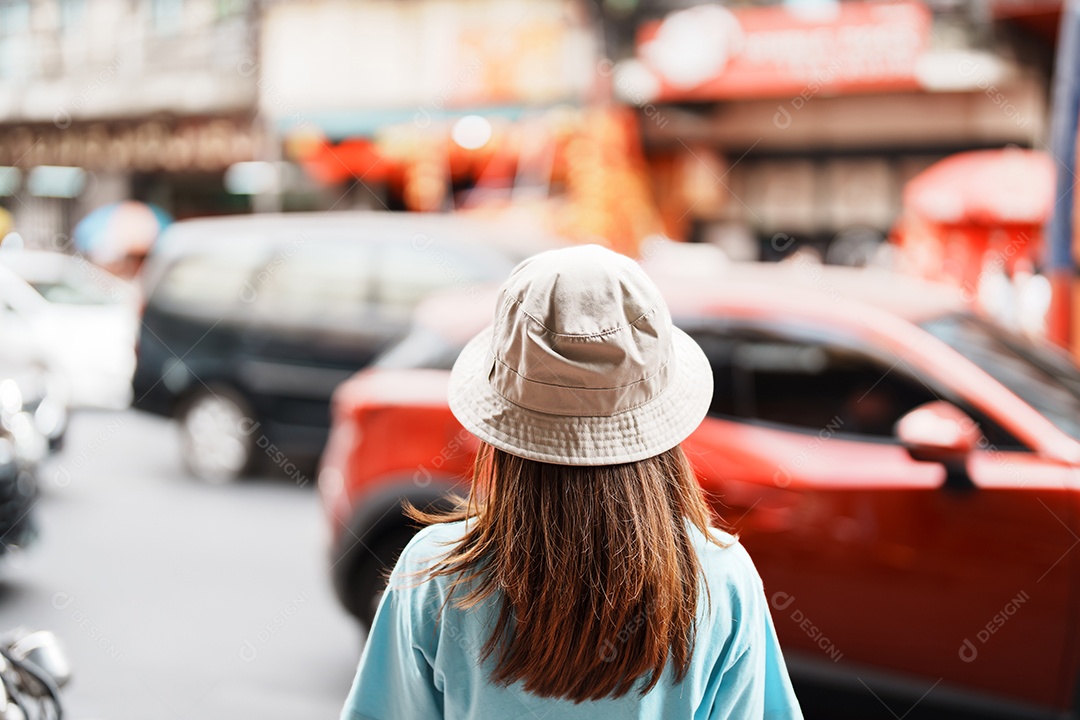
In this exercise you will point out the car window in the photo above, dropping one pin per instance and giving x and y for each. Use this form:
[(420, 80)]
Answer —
[(66, 293), (69, 281), (1041, 377), (814, 385), (409, 271), (313, 285), (80, 287), (204, 284), (421, 349)]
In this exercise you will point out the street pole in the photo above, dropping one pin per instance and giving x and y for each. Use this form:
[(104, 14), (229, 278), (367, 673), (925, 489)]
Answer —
[(264, 123), (1061, 265)]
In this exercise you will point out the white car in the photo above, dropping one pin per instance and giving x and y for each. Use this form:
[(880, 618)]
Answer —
[(73, 316)]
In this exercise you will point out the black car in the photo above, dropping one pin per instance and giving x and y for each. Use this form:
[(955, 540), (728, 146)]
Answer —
[(250, 322)]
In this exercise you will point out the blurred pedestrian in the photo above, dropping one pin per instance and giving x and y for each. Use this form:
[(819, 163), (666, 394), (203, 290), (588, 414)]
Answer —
[(581, 577)]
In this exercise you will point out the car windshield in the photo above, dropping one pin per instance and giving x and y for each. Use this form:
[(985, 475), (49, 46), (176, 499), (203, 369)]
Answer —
[(421, 349), (68, 293), (1041, 376), (76, 283)]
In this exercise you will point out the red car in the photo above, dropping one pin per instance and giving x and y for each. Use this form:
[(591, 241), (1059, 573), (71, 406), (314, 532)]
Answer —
[(903, 473)]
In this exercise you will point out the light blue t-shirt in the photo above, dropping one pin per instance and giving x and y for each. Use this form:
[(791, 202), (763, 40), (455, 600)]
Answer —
[(415, 668)]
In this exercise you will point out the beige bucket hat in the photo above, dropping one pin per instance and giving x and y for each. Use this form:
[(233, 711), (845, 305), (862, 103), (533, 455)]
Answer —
[(582, 365)]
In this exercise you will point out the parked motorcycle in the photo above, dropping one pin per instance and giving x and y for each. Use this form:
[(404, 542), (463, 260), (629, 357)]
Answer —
[(22, 449), (33, 668), (33, 420)]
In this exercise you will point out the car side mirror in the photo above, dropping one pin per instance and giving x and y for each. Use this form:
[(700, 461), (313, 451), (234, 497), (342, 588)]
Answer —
[(943, 433)]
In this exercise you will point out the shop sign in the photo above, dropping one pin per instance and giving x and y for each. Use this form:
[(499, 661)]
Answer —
[(152, 145), (712, 53)]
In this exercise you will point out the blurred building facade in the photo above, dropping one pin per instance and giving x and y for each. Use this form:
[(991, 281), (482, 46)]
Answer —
[(485, 106), (774, 126), (107, 100), (762, 126)]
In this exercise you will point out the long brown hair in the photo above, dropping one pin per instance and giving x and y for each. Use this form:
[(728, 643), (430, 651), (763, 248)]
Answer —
[(595, 566)]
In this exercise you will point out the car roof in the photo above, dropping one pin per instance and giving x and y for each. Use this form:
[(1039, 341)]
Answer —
[(38, 265), (51, 266), (822, 289), (260, 235), (203, 234), (702, 286), (695, 277)]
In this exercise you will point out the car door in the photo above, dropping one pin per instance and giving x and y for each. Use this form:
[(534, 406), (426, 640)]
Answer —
[(191, 324), (311, 323), (877, 574)]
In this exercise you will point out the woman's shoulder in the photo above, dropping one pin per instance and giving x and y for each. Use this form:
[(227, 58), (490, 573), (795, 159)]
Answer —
[(724, 560), (432, 543)]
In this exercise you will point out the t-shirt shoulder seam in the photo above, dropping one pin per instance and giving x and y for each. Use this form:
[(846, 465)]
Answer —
[(426, 545)]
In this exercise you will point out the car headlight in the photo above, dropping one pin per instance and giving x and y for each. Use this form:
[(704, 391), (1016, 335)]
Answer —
[(40, 394), (7, 450), (11, 398), (55, 417), (50, 417), (30, 445)]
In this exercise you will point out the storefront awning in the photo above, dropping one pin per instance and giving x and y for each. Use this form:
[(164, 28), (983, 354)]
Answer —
[(985, 187)]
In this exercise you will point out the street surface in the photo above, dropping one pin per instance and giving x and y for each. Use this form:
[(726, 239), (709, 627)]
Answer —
[(174, 599)]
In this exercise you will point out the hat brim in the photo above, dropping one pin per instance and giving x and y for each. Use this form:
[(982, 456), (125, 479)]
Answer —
[(636, 434)]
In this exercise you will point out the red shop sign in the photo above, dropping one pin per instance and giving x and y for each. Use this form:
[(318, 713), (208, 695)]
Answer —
[(712, 53)]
